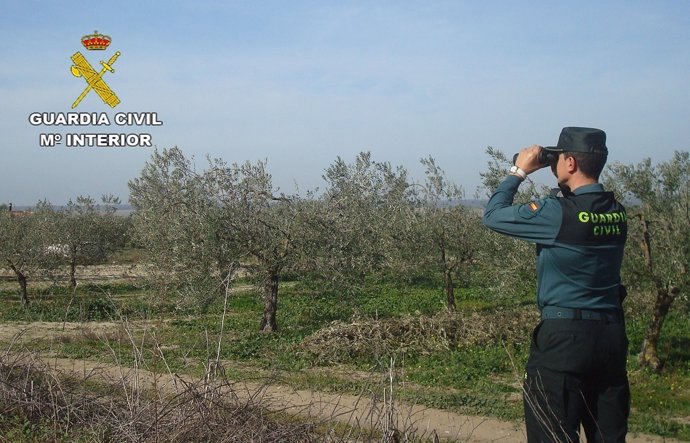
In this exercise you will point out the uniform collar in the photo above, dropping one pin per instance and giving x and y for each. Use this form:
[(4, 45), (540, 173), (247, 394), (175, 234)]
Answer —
[(586, 189)]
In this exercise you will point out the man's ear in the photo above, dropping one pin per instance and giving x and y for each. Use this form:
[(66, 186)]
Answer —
[(571, 164)]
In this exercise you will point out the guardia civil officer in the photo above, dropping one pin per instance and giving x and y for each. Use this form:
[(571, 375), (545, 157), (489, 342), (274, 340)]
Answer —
[(576, 368)]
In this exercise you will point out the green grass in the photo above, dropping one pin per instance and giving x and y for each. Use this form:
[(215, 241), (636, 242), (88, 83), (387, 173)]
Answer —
[(481, 380), (128, 256), (90, 302), (20, 428), (661, 402)]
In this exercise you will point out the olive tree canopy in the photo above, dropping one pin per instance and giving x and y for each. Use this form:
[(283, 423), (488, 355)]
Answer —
[(199, 227), (657, 200)]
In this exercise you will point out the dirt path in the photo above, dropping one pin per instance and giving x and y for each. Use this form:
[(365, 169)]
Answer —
[(344, 408), (53, 330)]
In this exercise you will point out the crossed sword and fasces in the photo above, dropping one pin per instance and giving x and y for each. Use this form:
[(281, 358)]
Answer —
[(82, 68)]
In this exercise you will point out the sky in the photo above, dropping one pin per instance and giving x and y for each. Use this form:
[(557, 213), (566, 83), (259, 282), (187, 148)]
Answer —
[(300, 83)]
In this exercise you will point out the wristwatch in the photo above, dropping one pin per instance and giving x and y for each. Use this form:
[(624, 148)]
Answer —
[(518, 171)]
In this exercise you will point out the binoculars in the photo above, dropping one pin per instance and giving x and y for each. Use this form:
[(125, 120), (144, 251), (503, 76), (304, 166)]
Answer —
[(545, 157)]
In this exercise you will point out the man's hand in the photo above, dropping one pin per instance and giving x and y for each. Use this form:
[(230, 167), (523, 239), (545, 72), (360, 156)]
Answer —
[(528, 159)]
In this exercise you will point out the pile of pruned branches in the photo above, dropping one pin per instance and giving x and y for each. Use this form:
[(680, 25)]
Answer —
[(366, 338), (57, 407)]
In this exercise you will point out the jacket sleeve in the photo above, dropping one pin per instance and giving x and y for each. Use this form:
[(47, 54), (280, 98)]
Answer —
[(538, 221)]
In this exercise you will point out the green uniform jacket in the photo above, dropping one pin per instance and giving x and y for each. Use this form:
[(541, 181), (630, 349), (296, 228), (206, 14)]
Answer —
[(580, 241)]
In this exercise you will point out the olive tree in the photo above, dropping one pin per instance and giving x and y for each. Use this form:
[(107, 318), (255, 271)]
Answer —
[(25, 243), (353, 227), (260, 224), (88, 232), (658, 206), (449, 234), (199, 227), (174, 222)]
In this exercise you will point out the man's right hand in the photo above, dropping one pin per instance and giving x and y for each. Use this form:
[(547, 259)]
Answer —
[(528, 159)]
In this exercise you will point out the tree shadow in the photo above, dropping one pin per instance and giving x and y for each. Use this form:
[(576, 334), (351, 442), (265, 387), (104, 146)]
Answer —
[(677, 353)]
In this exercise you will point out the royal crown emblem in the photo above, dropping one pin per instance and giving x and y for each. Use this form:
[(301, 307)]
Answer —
[(95, 41), (94, 80)]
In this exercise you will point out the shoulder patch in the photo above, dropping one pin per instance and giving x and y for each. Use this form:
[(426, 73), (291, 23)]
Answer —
[(531, 209)]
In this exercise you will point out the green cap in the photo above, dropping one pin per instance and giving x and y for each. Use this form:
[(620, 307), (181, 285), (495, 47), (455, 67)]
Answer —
[(574, 139)]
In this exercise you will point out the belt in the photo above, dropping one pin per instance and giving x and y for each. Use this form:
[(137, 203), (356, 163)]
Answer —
[(554, 312)]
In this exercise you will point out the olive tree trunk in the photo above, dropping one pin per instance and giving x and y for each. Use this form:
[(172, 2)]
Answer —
[(72, 272), (270, 295), (649, 355), (447, 278), (21, 279), (450, 290)]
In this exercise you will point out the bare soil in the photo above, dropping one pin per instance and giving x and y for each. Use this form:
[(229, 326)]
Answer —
[(93, 273)]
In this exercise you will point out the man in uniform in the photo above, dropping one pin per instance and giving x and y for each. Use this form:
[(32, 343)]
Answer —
[(576, 372)]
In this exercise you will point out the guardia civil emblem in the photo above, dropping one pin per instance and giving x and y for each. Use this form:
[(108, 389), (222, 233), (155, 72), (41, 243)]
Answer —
[(94, 80)]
